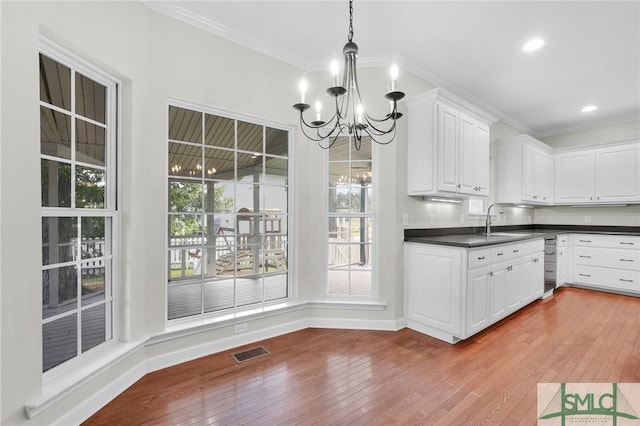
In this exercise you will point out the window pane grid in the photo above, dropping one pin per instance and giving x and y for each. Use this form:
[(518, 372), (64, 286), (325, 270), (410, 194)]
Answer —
[(349, 219), (242, 239), (77, 199)]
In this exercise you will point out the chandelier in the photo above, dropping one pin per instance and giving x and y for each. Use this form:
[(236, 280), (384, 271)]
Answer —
[(350, 117)]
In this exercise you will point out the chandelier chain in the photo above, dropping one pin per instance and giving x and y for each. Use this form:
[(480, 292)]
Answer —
[(350, 21)]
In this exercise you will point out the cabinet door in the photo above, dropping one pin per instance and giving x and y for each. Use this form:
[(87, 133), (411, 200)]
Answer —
[(498, 291), (481, 159), (618, 174), (474, 157), (514, 290), (433, 282), (543, 178), (448, 174), (562, 265), (574, 177), (532, 277), (528, 173), (466, 155), (478, 315)]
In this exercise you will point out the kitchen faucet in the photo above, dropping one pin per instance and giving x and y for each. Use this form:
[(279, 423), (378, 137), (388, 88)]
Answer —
[(488, 222)]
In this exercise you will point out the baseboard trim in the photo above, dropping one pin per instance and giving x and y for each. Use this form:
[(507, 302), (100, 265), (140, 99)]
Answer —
[(96, 401), (189, 354), (356, 324)]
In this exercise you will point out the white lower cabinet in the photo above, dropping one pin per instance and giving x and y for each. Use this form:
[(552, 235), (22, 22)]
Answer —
[(453, 293), (609, 262)]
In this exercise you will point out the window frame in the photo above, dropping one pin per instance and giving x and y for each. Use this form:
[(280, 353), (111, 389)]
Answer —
[(110, 210), (372, 215), (207, 110)]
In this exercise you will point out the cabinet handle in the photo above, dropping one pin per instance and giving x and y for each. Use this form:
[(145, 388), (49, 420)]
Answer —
[(499, 254), (591, 198), (586, 257), (626, 260), (481, 258), (548, 271), (584, 275), (516, 251), (588, 241), (491, 273), (458, 186), (628, 244), (626, 281)]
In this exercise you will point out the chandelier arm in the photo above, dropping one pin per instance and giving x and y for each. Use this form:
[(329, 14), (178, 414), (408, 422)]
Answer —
[(386, 118), (335, 137), (373, 136), (303, 125), (378, 131)]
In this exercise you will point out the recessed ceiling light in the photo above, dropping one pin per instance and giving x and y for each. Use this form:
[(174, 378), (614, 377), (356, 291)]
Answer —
[(532, 45), (589, 108)]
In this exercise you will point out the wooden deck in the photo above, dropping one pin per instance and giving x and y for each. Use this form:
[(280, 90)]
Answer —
[(59, 337), (324, 377), (185, 299)]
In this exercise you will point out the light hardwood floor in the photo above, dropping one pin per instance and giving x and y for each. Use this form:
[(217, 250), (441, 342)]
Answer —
[(322, 377)]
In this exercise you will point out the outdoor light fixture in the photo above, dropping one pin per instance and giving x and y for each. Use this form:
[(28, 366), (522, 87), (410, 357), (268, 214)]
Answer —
[(350, 116)]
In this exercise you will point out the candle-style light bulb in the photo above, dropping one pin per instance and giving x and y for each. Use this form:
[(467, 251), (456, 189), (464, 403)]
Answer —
[(394, 76), (335, 68), (303, 89), (359, 113), (318, 106)]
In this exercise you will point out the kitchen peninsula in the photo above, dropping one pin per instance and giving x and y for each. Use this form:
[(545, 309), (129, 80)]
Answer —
[(460, 281)]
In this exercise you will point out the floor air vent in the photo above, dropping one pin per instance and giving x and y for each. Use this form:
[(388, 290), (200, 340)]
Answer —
[(250, 354)]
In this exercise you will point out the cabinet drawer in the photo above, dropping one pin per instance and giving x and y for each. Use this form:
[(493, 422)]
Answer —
[(609, 241), (607, 258), (531, 246), (607, 278), (562, 240), (478, 258), (508, 251)]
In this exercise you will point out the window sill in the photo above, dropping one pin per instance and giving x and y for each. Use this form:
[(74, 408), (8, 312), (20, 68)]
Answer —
[(184, 327), (59, 386)]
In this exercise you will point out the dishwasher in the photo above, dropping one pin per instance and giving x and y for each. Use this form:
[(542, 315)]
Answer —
[(550, 264)]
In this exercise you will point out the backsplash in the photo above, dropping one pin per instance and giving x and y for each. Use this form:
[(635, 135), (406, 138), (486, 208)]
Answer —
[(615, 216)]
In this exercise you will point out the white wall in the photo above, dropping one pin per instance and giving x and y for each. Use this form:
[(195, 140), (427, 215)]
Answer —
[(602, 135)]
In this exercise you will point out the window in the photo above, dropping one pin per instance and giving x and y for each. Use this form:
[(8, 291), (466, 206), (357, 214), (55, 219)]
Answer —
[(79, 215), (349, 218), (227, 213)]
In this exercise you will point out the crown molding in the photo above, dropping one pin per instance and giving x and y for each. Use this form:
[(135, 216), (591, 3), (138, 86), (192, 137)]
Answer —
[(173, 10)]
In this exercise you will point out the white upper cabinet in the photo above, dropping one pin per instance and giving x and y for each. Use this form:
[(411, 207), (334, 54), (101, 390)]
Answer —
[(618, 174), (524, 171), (448, 147), (575, 179), (601, 175)]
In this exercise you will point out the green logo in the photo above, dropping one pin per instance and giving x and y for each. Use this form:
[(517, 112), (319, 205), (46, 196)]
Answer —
[(585, 404)]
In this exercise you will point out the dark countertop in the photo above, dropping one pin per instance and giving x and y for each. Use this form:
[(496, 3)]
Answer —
[(472, 237)]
